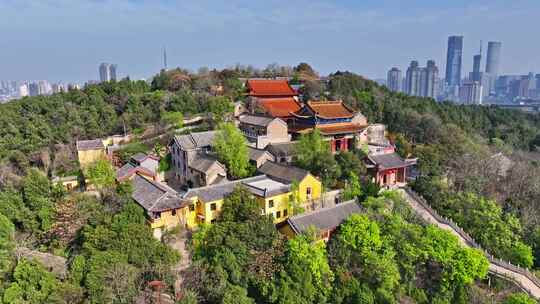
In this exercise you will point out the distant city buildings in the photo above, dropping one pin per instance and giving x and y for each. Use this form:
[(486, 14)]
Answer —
[(492, 63), (454, 60), (107, 72), (422, 81), (471, 93), (394, 80)]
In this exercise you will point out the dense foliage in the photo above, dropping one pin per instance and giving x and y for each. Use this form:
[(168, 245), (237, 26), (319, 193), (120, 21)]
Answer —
[(477, 165), (382, 256)]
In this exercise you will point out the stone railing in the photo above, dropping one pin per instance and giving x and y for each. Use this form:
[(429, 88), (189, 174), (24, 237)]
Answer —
[(514, 270)]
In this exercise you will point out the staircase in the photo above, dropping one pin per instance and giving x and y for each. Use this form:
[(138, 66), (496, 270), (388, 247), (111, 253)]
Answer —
[(522, 277)]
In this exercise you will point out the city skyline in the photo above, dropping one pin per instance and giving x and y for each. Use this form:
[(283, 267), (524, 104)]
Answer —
[(214, 38)]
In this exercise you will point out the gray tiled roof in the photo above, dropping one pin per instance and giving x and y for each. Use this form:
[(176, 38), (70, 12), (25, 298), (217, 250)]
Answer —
[(255, 154), (155, 197), (93, 144), (324, 219), (125, 171), (266, 187), (282, 149), (388, 161), (256, 120), (218, 191), (283, 172), (195, 140), (139, 157), (203, 163)]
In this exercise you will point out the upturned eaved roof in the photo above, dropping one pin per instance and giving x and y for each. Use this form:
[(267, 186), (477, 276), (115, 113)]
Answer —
[(195, 140), (388, 161), (325, 110), (283, 172), (279, 107), (325, 218), (92, 144), (154, 196), (269, 88)]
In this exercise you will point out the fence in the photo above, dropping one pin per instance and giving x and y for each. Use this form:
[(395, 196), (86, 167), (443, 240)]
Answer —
[(516, 269)]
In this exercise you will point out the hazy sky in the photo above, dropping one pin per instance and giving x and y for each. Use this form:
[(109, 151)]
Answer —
[(67, 39)]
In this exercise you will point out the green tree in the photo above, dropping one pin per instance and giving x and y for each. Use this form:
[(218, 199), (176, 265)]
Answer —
[(7, 244), (101, 174), (37, 197), (352, 187), (32, 284), (314, 155), (231, 148), (175, 119), (303, 252), (220, 107), (519, 298)]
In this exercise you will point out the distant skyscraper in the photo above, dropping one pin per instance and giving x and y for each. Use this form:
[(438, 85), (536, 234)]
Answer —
[(477, 63), (492, 63), (471, 93), (422, 81), (429, 83), (33, 89), (112, 71), (394, 80), (453, 60), (107, 72), (23, 90), (413, 79), (104, 72)]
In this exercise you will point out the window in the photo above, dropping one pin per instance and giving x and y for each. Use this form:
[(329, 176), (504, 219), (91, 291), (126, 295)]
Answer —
[(213, 221), (157, 215), (173, 212), (262, 211), (271, 204), (213, 206), (285, 213), (278, 214), (192, 207), (308, 192), (291, 198)]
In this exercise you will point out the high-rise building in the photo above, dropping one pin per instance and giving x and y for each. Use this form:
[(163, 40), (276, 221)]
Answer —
[(107, 72), (492, 63), (413, 79), (394, 80), (104, 72), (471, 93), (453, 60), (429, 81), (23, 90), (112, 71), (422, 81), (44, 87), (33, 89), (477, 63)]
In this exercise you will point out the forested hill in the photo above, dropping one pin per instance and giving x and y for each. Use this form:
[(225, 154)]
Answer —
[(477, 165)]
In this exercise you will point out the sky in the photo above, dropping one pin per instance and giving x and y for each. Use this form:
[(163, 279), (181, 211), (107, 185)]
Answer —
[(66, 40)]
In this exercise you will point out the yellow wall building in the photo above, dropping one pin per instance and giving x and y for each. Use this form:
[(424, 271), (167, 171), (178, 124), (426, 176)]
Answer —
[(89, 151), (167, 209)]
